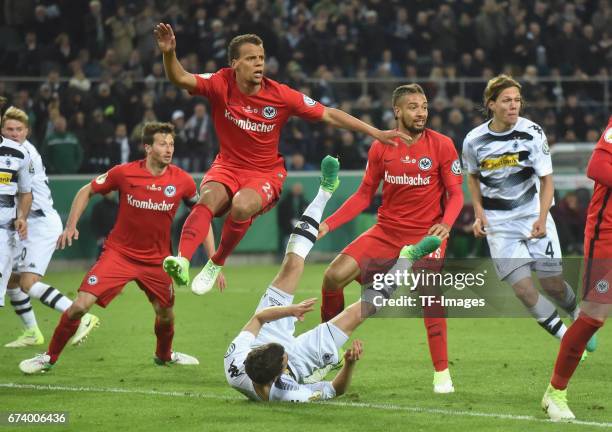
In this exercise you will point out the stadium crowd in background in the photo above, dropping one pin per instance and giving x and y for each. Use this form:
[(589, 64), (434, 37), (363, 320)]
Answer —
[(103, 75)]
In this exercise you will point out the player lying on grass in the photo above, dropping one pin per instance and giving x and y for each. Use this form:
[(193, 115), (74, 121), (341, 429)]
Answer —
[(266, 362), (31, 255), (150, 193), (597, 296)]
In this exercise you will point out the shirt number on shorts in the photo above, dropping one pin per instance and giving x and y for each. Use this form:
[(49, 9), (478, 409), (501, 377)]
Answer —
[(549, 250), (267, 190)]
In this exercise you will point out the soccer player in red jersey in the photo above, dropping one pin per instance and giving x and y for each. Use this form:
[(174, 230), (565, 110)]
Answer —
[(150, 192), (421, 195), (247, 175), (597, 295)]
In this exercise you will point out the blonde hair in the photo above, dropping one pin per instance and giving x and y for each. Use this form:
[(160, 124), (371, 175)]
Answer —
[(495, 86), (14, 113)]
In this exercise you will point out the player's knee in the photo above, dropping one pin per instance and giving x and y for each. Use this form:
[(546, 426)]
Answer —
[(165, 315), (77, 310), (243, 208), (13, 281), (27, 280), (331, 279)]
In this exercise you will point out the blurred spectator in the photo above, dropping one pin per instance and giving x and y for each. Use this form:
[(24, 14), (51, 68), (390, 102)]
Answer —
[(62, 150), (122, 32), (289, 209), (572, 217), (297, 162), (200, 137), (103, 216), (95, 32)]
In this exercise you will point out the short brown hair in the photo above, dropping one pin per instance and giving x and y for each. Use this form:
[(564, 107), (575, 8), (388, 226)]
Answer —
[(14, 113), (150, 129), (405, 89), (265, 363), (495, 86), (233, 49)]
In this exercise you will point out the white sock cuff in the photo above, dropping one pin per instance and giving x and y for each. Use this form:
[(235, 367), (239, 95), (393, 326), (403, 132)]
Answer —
[(38, 289)]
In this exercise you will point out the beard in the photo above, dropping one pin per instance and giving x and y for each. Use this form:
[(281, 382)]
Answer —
[(412, 128)]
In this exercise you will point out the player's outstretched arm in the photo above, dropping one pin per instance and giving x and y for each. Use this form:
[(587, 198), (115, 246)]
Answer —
[(277, 312), (342, 381), (79, 204), (166, 41), (339, 118)]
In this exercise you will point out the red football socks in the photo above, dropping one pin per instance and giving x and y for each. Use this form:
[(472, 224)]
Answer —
[(195, 230), (165, 333), (436, 338), (434, 317), (332, 304), (232, 233), (572, 346), (66, 328)]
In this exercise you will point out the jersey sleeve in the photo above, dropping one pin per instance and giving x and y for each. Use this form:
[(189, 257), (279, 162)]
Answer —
[(234, 358), (605, 142), (286, 389), (540, 154), (470, 161), (362, 198), (191, 196), (209, 84), (25, 174), (107, 182), (450, 167), (301, 105)]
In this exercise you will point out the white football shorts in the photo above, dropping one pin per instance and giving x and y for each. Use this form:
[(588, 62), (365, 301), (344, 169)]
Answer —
[(33, 254), (511, 246)]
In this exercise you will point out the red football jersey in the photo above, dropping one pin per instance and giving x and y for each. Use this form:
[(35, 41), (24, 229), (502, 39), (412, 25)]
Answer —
[(599, 215), (249, 127), (415, 179), (147, 205)]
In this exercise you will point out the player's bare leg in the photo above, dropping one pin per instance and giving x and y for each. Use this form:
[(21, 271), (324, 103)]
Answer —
[(214, 197), (342, 271), (563, 295), (164, 331), (66, 328), (246, 203), (592, 317), (542, 309)]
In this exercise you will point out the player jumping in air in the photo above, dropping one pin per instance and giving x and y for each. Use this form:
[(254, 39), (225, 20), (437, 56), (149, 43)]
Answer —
[(511, 183), (597, 295), (421, 195), (266, 362), (247, 175), (32, 255), (150, 192)]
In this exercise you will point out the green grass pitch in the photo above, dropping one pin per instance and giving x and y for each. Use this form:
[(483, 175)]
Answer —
[(500, 368)]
